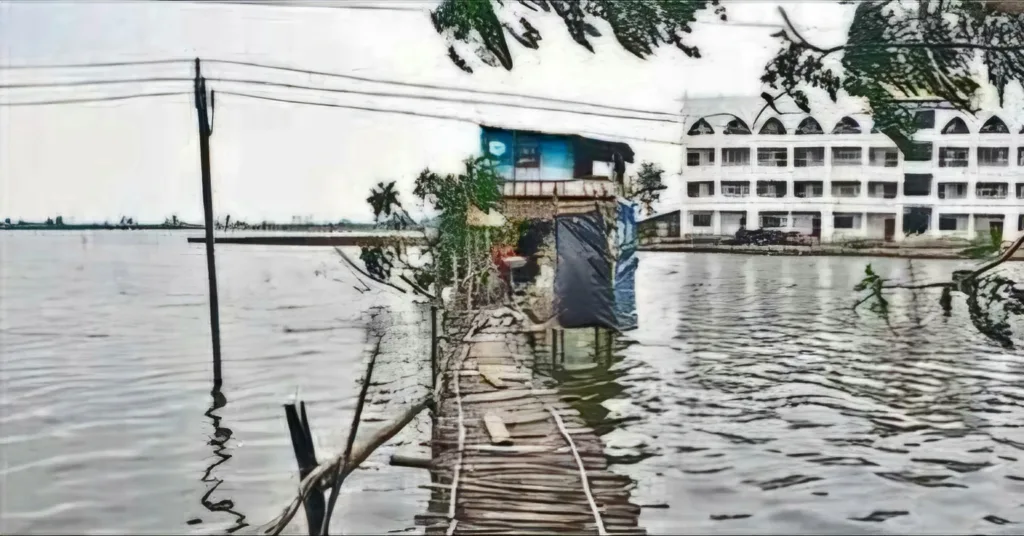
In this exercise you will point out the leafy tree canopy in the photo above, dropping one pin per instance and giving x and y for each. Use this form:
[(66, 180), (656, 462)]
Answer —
[(902, 48), (646, 186), (639, 26)]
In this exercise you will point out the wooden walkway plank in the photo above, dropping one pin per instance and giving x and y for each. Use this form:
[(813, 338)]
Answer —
[(512, 457)]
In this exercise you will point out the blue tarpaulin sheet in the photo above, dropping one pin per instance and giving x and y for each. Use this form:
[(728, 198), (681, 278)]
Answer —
[(583, 274), (625, 268)]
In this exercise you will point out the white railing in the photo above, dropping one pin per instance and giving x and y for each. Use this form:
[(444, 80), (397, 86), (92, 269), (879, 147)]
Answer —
[(570, 188)]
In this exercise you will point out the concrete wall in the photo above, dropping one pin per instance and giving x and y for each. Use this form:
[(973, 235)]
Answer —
[(876, 225), (844, 234), (730, 222)]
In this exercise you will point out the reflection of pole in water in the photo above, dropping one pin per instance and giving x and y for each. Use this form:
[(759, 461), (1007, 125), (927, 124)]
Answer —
[(218, 440)]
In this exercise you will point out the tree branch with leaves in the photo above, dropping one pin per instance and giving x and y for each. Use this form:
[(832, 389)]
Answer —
[(432, 262), (899, 49), (639, 26)]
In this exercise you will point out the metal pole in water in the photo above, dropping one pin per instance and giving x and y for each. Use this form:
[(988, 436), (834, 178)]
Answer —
[(205, 129)]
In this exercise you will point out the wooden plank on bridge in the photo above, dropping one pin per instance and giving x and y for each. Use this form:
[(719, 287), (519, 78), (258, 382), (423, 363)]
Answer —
[(519, 460)]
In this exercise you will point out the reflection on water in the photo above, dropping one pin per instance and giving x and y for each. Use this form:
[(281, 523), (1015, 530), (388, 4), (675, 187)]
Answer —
[(754, 399), (218, 441), (109, 425), (776, 408)]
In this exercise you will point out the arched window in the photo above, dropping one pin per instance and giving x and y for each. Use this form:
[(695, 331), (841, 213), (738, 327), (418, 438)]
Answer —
[(956, 126), (772, 127), (737, 126), (701, 127), (846, 125), (994, 125), (809, 126)]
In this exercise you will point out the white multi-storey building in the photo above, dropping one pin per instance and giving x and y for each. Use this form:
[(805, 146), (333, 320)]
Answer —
[(829, 175)]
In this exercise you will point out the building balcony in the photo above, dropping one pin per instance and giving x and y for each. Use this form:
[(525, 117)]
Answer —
[(736, 173), (595, 188), (849, 173), (952, 174), (693, 173)]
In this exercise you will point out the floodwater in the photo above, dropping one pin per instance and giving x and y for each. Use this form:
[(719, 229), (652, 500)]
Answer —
[(750, 400)]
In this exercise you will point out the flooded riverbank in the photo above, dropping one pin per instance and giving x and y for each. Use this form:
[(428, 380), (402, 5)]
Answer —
[(751, 398)]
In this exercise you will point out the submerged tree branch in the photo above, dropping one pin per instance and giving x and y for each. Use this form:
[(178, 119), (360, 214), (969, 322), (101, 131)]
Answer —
[(353, 430), (360, 270), (359, 454), (1000, 260)]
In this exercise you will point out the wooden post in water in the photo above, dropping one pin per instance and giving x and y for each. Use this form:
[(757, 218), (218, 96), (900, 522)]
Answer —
[(305, 455), (554, 348), (205, 129), (561, 346), (610, 345), (433, 347)]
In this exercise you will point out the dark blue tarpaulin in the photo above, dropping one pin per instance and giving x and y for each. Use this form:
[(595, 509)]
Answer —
[(583, 275), (625, 268)]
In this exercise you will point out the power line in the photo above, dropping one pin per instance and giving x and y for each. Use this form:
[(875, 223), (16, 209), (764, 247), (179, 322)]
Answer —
[(74, 83), (332, 90), (407, 112), (93, 99), (103, 64), (430, 86), (674, 117), (438, 98), (279, 3)]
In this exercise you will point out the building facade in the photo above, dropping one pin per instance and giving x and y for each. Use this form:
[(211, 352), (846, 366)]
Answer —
[(829, 175)]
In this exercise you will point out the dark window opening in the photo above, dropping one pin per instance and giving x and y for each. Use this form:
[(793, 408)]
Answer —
[(947, 223), (700, 157), (994, 125), (917, 184), (809, 126), (842, 222), (776, 221), (954, 157), (772, 156), (846, 125), (808, 156), (700, 189), (809, 188), (527, 155), (701, 127), (885, 190), (773, 127), (956, 126), (916, 220), (994, 156), (737, 126), (702, 220), (924, 119), (919, 152), (771, 188)]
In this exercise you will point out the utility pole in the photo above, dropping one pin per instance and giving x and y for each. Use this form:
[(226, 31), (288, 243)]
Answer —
[(205, 129)]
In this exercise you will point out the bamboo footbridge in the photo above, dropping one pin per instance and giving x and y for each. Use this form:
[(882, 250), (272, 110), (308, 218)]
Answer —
[(509, 457)]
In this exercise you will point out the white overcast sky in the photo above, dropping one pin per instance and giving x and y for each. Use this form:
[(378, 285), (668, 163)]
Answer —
[(94, 162)]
